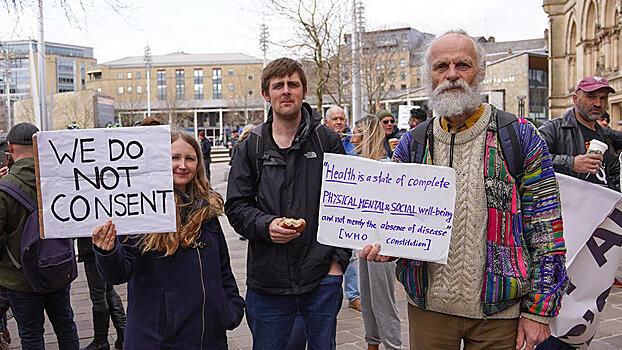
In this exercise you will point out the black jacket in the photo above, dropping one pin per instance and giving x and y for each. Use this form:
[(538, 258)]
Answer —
[(206, 149), (565, 141), (289, 187)]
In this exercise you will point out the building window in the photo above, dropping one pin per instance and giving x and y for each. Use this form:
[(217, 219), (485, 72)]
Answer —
[(180, 89), (120, 90), (403, 62), (231, 71), (392, 76), (129, 89), (83, 75), (403, 75), (99, 89), (66, 75), (198, 84), (129, 75), (250, 77), (379, 65), (538, 94), (139, 89), (217, 82), (137, 75), (230, 86), (250, 92), (403, 87), (418, 82), (161, 78), (120, 76), (392, 87)]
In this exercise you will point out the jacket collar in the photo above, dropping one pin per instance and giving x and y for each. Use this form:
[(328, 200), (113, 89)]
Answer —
[(309, 120), (570, 121)]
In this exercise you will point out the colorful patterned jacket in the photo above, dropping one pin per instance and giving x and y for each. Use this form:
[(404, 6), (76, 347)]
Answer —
[(525, 243)]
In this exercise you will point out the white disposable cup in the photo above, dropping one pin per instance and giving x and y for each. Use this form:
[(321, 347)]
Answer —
[(393, 143), (597, 146)]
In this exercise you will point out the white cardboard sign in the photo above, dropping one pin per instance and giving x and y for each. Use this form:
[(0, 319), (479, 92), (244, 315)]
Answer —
[(89, 176), (403, 116), (407, 208)]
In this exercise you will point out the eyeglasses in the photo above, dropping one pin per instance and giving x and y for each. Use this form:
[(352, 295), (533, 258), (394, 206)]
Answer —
[(391, 121)]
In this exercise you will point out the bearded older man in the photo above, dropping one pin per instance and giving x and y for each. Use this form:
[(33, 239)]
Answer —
[(505, 275)]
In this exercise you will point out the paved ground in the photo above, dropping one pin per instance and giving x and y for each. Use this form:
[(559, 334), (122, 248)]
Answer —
[(350, 324)]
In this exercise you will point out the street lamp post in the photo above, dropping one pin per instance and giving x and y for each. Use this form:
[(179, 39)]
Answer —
[(148, 62), (263, 44), (521, 105)]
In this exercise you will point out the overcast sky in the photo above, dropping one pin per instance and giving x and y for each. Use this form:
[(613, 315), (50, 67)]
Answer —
[(215, 26)]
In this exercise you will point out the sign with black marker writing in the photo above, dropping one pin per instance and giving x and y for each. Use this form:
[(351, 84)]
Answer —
[(407, 208), (89, 176)]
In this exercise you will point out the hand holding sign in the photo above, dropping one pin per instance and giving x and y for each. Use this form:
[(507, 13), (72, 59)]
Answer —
[(104, 236), (370, 253)]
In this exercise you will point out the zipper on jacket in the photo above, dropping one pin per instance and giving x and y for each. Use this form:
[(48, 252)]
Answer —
[(204, 297), (451, 150)]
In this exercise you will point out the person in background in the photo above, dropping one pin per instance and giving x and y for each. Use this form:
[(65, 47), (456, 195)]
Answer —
[(206, 150), (417, 116), (28, 306), (390, 129), (181, 291), (106, 303), (336, 120), (380, 316), (568, 137)]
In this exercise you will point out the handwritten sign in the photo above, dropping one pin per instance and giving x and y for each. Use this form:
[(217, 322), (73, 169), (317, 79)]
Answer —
[(403, 116), (593, 233), (86, 177), (407, 208)]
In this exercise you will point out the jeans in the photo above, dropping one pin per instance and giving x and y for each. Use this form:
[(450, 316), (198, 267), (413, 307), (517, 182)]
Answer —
[(351, 279), (553, 343), (271, 317), (28, 312), (4, 307)]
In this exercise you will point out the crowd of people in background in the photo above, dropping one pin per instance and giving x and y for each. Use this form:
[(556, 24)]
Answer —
[(182, 292)]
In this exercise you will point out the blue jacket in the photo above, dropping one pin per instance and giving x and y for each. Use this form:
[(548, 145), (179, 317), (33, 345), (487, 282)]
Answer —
[(183, 301)]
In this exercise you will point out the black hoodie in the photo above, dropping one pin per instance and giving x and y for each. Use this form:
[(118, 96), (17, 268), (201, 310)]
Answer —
[(290, 186)]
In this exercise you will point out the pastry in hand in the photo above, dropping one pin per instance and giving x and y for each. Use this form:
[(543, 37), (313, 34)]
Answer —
[(293, 224)]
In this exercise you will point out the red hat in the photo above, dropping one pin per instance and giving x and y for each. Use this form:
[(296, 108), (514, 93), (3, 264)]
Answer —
[(589, 84)]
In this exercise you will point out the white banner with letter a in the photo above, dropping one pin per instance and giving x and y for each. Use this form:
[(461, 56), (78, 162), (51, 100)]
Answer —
[(593, 232)]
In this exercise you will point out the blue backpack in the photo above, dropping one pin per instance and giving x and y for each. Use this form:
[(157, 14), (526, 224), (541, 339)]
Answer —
[(47, 264)]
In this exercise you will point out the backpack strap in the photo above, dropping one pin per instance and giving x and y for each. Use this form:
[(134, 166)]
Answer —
[(19, 195), (507, 126), (419, 137)]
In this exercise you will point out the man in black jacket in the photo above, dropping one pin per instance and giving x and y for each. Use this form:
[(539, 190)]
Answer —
[(569, 137), (277, 173)]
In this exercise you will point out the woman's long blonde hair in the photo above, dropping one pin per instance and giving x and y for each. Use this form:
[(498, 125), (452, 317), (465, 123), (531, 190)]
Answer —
[(198, 189), (372, 138)]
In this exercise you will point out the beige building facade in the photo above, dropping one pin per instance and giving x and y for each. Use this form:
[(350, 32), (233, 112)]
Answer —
[(584, 40), (216, 89)]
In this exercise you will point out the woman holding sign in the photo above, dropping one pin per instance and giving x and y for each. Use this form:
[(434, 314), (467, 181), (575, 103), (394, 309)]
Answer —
[(181, 291), (382, 322)]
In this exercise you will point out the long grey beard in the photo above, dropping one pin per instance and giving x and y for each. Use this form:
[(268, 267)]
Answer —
[(449, 104)]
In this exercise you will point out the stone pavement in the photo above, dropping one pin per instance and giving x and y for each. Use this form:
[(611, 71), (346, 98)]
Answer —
[(350, 330)]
